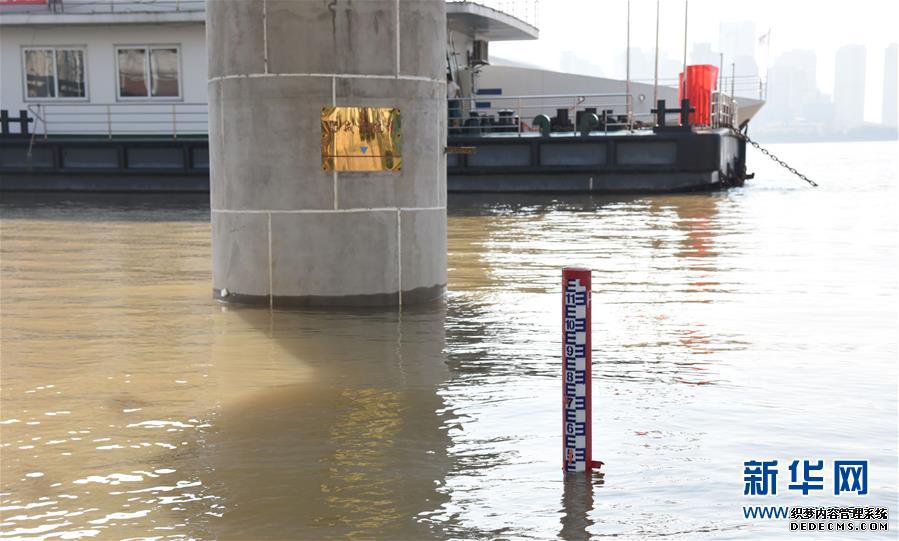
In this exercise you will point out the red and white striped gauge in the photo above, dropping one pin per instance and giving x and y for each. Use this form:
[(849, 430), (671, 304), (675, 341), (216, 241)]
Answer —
[(577, 455)]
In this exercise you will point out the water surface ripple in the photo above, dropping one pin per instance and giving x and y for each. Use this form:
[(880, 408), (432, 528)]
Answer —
[(758, 323)]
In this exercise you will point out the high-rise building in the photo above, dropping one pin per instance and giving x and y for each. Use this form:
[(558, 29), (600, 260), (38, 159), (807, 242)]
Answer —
[(737, 40), (888, 113), (849, 87), (702, 53), (792, 86)]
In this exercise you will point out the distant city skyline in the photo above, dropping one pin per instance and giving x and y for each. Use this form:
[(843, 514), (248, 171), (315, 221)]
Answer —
[(596, 33)]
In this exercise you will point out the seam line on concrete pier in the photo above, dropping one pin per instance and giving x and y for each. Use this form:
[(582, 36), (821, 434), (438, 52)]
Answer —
[(397, 10), (221, 114), (441, 161), (399, 257), (271, 283), (334, 104), (421, 78), (265, 35), (325, 211), (336, 205)]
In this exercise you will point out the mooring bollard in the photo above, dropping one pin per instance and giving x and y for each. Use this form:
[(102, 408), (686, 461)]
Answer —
[(577, 452)]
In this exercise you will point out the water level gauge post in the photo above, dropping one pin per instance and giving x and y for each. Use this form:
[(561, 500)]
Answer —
[(576, 385)]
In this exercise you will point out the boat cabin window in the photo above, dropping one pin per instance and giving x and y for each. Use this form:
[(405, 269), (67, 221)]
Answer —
[(147, 72), (54, 73)]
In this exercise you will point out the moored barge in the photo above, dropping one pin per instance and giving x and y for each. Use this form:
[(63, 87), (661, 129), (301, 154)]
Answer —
[(124, 109)]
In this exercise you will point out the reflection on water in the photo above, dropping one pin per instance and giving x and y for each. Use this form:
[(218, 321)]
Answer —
[(577, 505), (354, 447), (756, 323)]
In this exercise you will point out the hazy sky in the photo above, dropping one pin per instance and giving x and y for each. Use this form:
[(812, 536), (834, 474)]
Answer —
[(595, 29)]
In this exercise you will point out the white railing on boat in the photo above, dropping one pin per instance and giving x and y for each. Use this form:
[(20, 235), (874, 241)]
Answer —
[(112, 119), (523, 10), (500, 114), (724, 111), (516, 114), (750, 86), (91, 7)]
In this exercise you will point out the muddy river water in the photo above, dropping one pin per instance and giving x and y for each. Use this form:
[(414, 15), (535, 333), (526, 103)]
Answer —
[(757, 323)]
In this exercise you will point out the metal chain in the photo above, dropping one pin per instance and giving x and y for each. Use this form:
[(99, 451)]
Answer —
[(766, 152)]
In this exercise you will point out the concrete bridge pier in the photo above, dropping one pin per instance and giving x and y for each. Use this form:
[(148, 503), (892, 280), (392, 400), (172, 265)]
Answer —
[(287, 230)]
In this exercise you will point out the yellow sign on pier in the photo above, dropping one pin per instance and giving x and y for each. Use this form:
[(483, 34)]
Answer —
[(361, 139)]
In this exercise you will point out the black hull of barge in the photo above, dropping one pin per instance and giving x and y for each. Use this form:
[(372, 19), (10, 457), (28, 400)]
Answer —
[(664, 162)]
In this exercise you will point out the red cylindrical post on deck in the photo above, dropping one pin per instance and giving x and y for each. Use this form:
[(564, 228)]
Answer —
[(576, 426), (702, 81)]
